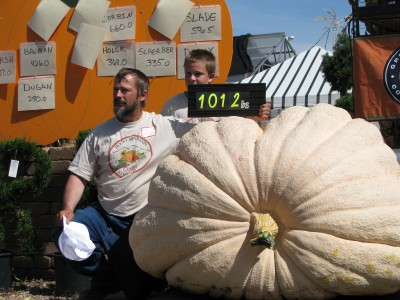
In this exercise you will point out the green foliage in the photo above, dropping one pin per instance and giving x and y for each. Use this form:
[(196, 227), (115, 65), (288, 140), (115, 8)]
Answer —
[(29, 155), (81, 137), (2, 235), (346, 102), (70, 3), (338, 68), (33, 175), (26, 234)]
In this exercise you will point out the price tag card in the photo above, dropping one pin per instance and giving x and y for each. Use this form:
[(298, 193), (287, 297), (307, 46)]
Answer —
[(156, 58), (169, 15), (115, 55), (7, 66), (36, 93), (203, 23), (48, 15), (12, 172), (120, 23), (38, 58), (212, 100), (185, 48), (89, 12), (87, 45)]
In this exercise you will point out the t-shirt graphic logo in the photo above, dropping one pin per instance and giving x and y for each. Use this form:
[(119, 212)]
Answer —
[(129, 155), (391, 75)]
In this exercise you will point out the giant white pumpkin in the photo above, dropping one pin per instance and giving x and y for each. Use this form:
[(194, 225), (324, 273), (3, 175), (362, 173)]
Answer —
[(309, 208)]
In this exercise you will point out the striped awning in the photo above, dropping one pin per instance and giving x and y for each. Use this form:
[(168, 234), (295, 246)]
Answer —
[(297, 81)]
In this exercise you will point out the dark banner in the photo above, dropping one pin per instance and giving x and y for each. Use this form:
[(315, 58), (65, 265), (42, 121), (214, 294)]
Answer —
[(376, 61)]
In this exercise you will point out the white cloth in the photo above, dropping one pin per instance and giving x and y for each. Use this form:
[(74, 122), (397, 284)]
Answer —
[(74, 241), (123, 157), (177, 107)]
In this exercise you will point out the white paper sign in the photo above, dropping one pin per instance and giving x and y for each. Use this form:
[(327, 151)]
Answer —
[(114, 56), (12, 172), (87, 45), (38, 58), (7, 66), (90, 12), (156, 59), (169, 16), (35, 93), (203, 23), (120, 23), (184, 49), (48, 15)]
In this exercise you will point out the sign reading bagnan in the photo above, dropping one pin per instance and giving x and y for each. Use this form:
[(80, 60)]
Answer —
[(376, 62)]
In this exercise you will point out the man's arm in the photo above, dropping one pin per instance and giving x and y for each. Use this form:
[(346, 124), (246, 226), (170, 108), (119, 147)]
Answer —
[(72, 194)]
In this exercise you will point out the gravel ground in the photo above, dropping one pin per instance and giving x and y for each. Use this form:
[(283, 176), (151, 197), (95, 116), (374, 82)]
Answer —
[(33, 290), (45, 290)]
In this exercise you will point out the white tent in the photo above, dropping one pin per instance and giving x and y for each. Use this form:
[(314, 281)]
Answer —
[(296, 81)]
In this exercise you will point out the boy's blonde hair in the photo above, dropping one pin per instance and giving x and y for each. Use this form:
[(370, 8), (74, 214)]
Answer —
[(203, 56)]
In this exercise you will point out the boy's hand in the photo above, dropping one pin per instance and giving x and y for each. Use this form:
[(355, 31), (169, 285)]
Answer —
[(264, 112)]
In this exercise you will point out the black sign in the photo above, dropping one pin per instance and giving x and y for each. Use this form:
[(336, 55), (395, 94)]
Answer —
[(212, 100)]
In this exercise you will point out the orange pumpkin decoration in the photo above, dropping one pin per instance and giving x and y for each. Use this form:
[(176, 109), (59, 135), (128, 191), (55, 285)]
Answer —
[(82, 99)]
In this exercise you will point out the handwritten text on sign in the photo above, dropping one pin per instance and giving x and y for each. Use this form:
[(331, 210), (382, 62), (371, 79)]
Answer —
[(7, 66), (120, 23), (38, 58), (35, 93), (184, 49), (203, 23), (115, 55), (156, 59)]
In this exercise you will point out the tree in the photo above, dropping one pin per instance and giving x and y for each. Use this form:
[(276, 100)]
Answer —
[(338, 71), (338, 68)]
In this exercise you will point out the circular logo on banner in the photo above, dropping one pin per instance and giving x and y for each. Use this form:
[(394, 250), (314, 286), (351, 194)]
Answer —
[(391, 76)]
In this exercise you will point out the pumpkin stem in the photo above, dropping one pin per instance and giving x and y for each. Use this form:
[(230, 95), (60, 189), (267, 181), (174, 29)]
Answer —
[(265, 230)]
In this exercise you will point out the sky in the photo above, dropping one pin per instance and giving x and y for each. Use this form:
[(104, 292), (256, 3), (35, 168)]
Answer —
[(297, 18)]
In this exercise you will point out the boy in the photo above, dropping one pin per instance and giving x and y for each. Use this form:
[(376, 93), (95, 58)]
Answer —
[(199, 67)]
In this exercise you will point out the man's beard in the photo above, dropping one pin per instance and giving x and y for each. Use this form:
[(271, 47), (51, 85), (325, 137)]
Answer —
[(122, 112)]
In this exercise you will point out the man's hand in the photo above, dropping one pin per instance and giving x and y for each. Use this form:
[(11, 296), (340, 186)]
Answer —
[(69, 215)]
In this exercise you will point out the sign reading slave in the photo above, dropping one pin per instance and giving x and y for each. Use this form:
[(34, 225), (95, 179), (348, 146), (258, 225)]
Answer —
[(203, 23)]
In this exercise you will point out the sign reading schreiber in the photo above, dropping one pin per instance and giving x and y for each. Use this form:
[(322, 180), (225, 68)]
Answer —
[(211, 100)]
